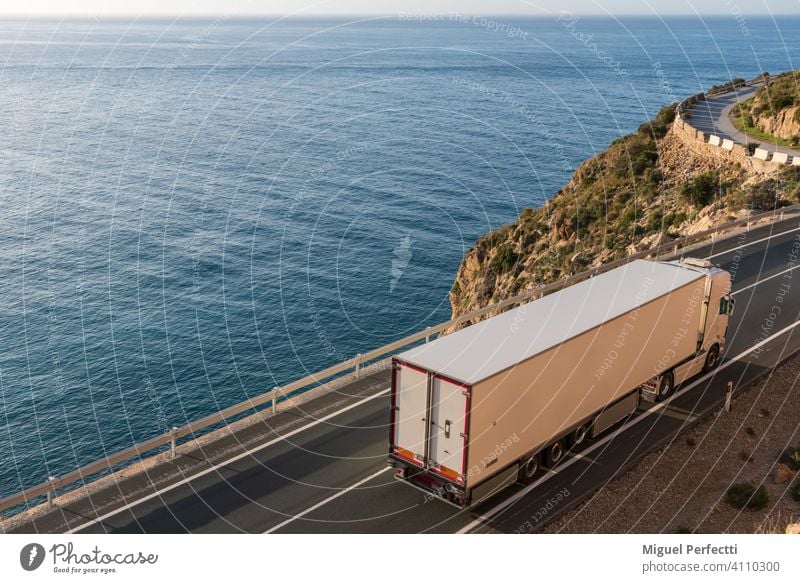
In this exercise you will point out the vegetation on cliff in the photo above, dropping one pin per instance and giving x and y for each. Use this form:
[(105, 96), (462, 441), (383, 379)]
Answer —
[(773, 113), (646, 188)]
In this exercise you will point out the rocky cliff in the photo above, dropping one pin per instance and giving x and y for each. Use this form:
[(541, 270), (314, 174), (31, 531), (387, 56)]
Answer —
[(775, 108), (645, 189)]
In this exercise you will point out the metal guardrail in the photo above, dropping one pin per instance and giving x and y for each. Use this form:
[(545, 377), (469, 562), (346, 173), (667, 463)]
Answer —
[(50, 487)]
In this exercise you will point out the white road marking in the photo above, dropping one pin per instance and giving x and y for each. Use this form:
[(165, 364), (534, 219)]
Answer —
[(580, 456), (516, 497), (765, 279), (753, 243), (219, 465), (329, 499)]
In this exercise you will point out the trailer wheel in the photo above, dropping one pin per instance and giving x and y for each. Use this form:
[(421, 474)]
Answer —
[(528, 469), (578, 436), (666, 386), (712, 358), (554, 453)]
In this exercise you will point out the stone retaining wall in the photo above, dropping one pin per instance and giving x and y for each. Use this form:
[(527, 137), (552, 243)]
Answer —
[(725, 150)]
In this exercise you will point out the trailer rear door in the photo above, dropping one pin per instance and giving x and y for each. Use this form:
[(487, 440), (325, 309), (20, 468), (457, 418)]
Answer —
[(410, 414), (448, 436)]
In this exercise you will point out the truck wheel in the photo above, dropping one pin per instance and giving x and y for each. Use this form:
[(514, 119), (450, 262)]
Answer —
[(666, 386), (578, 436), (712, 358), (554, 453), (528, 469)]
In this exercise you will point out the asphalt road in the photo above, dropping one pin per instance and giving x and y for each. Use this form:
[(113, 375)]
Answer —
[(712, 117), (333, 477)]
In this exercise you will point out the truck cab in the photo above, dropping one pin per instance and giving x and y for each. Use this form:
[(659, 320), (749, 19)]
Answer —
[(716, 307)]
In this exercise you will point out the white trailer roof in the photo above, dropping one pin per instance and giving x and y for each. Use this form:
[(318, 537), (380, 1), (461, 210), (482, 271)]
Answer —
[(484, 349)]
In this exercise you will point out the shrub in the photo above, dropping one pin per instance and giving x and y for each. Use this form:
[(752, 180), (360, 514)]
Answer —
[(655, 221), (791, 457), (781, 101), (736, 199), (796, 490), (504, 260), (763, 196), (750, 431), (744, 495), (691, 441), (701, 190), (642, 161)]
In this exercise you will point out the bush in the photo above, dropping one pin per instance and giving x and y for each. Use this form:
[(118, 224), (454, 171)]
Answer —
[(744, 495), (796, 490), (751, 147), (504, 260), (701, 190), (655, 222), (781, 101), (763, 196), (642, 161), (791, 457)]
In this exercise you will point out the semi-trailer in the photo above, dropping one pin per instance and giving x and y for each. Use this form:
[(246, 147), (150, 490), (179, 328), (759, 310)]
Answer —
[(489, 405)]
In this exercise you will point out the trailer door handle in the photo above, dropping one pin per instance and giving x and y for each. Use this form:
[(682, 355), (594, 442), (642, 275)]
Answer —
[(447, 428)]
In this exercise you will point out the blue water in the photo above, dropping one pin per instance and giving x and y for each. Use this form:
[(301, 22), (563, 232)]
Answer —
[(196, 211)]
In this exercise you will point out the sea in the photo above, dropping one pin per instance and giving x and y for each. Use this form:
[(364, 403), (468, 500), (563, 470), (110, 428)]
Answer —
[(195, 211)]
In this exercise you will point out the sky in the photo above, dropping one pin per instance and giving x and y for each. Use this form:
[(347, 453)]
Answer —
[(343, 7)]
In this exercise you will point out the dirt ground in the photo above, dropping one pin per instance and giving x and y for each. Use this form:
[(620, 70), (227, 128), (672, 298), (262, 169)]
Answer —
[(682, 487)]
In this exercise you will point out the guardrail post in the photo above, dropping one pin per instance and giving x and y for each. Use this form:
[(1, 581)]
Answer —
[(51, 492), (173, 442), (358, 365), (728, 396), (427, 336), (275, 394), (747, 230), (781, 215)]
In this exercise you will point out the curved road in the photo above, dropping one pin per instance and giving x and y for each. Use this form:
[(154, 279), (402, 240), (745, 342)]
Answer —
[(712, 117), (323, 469)]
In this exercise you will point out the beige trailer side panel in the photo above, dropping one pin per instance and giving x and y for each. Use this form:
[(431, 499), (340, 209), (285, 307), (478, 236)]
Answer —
[(521, 408)]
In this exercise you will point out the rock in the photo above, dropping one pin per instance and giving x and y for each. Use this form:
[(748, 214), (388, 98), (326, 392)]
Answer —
[(782, 474), (793, 528), (783, 123), (648, 242)]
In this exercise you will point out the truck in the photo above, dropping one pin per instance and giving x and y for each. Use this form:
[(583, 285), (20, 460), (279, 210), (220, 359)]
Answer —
[(476, 410)]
